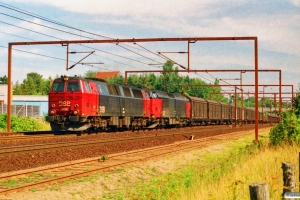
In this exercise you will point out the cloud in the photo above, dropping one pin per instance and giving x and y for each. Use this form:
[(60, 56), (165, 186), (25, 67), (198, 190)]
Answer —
[(191, 18), (295, 2), (130, 7)]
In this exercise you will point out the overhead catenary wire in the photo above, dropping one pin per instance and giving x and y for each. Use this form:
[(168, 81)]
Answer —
[(67, 26), (157, 54), (56, 29), (138, 54), (47, 19), (73, 50), (72, 34), (81, 45), (203, 77), (53, 21), (38, 54), (30, 30)]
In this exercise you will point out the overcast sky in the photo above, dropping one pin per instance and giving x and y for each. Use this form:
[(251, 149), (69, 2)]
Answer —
[(276, 23)]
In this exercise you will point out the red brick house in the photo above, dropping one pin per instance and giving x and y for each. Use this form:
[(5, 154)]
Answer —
[(106, 75)]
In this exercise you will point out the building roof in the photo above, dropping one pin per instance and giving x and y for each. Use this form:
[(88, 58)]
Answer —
[(106, 75), (30, 98)]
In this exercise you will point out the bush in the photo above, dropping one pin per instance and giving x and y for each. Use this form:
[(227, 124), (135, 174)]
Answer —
[(19, 124), (288, 131)]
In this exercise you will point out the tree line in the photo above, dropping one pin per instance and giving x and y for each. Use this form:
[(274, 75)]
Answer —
[(174, 83), (34, 84)]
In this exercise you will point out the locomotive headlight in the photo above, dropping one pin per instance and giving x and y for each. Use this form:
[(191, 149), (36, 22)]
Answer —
[(52, 112), (75, 112), (66, 78), (53, 105)]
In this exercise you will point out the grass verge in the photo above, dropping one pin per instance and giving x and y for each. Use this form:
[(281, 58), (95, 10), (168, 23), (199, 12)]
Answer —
[(225, 174)]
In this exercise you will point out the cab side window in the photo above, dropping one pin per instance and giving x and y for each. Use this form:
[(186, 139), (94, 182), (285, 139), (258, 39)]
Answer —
[(137, 93), (127, 92), (111, 89), (87, 86)]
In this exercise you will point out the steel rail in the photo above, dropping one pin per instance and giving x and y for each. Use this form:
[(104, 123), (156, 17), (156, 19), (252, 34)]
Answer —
[(57, 145)]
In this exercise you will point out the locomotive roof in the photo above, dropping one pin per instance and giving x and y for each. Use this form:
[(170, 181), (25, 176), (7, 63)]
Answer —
[(80, 78), (96, 79)]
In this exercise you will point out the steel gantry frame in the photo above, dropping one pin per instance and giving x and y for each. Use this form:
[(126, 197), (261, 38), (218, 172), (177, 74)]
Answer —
[(135, 40), (266, 85)]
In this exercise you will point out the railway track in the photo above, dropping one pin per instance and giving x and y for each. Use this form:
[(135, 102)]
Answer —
[(14, 182), (108, 139)]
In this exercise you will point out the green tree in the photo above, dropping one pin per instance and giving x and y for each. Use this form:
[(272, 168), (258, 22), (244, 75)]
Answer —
[(296, 104), (249, 102), (118, 79), (3, 80), (171, 80), (48, 84), (215, 92), (17, 88), (90, 74), (33, 85), (195, 89)]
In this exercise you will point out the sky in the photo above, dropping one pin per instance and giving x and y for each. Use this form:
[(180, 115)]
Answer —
[(276, 24)]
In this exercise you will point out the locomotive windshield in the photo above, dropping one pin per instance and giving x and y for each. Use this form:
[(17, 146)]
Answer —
[(73, 86), (58, 87), (152, 94)]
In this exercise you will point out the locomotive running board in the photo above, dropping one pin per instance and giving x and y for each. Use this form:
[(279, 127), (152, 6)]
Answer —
[(153, 125)]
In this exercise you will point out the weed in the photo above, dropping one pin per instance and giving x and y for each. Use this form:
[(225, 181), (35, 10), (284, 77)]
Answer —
[(235, 187), (72, 193), (153, 169), (103, 158), (10, 183), (118, 170)]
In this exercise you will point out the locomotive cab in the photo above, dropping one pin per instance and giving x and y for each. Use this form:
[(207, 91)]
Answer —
[(70, 100)]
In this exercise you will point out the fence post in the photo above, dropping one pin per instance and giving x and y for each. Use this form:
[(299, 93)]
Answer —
[(25, 108), (259, 191), (289, 179)]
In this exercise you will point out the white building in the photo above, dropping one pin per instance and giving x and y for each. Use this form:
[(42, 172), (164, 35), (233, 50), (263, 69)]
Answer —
[(3, 93), (24, 104)]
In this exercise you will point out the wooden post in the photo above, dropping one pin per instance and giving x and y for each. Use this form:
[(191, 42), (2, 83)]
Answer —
[(259, 191), (289, 179)]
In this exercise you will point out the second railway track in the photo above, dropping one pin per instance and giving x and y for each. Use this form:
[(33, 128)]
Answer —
[(92, 141)]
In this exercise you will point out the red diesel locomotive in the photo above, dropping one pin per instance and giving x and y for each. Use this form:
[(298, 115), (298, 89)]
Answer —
[(76, 103)]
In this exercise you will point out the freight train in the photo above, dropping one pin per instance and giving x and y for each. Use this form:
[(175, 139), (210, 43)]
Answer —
[(92, 104)]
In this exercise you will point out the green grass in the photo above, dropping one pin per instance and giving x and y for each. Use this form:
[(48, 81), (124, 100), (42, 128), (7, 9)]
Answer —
[(19, 124), (195, 176)]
